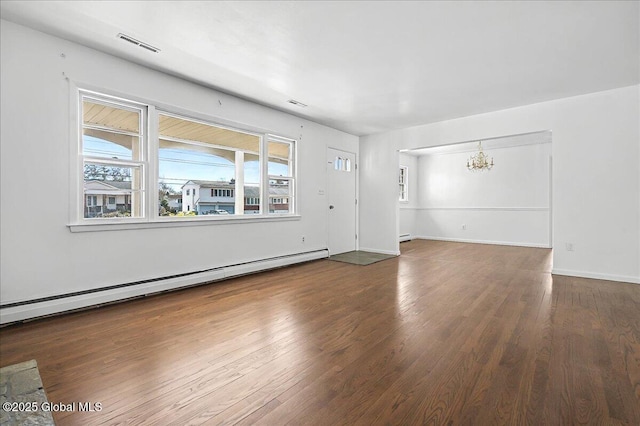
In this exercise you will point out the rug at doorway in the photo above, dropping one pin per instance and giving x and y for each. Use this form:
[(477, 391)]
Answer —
[(360, 257), (22, 396)]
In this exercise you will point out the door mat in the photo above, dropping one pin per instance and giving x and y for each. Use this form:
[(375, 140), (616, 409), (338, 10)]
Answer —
[(360, 257), (23, 396)]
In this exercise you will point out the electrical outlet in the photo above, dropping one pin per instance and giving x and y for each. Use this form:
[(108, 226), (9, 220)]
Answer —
[(569, 246), (303, 238), (464, 227)]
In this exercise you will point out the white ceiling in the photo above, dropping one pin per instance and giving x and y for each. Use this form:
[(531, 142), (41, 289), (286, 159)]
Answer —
[(366, 66)]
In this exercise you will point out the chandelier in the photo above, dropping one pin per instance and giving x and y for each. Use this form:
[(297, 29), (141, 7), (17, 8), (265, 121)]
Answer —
[(480, 161)]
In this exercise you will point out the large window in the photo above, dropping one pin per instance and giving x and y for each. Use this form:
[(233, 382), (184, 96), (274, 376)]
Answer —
[(184, 167)]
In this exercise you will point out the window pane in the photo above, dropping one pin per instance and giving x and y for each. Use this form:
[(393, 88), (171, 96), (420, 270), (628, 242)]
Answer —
[(197, 170), (112, 190), (175, 128), (280, 196), (180, 163), (98, 143), (110, 131), (205, 161), (280, 158), (251, 184)]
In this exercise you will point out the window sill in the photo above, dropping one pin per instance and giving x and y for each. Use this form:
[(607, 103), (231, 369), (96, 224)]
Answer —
[(173, 223)]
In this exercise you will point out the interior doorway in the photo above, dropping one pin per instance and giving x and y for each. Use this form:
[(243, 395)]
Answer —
[(510, 204)]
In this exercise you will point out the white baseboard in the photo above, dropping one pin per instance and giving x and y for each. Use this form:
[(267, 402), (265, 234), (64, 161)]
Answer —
[(36, 309), (392, 253), (596, 275), (499, 243)]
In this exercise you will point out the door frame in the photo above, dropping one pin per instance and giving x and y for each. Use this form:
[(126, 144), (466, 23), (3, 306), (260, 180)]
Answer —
[(357, 194)]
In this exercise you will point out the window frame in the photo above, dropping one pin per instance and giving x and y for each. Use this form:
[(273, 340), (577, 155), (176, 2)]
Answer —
[(403, 183), (78, 166), (149, 163), (291, 177)]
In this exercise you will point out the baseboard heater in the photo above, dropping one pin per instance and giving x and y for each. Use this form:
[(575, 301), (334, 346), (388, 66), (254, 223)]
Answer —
[(30, 309), (405, 237)]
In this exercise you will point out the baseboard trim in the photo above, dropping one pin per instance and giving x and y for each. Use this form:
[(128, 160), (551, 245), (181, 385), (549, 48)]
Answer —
[(64, 303), (596, 276), (499, 243), (389, 252)]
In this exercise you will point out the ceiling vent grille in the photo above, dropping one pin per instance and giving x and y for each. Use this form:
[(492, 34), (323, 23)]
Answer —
[(138, 43), (296, 103)]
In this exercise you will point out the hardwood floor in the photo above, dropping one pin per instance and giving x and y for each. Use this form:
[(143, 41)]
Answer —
[(448, 333)]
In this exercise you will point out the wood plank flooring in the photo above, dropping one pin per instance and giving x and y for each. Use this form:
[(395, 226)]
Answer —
[(446, 334)]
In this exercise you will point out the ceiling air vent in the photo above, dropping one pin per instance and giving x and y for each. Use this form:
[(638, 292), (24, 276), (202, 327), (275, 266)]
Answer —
[(296, 103), (138, 43)]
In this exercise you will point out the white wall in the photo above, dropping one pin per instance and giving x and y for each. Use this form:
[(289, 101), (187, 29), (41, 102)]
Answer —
[(40, 256), (595, 176), (378, 212), (506, 205)]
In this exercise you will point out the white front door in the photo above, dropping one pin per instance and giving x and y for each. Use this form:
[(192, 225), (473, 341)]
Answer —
[(341, 195)]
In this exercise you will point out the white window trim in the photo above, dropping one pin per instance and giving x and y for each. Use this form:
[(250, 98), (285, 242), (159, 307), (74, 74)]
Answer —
[(149, 149), (119, 225), (78, 158), (406, 185), (292, 177)]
